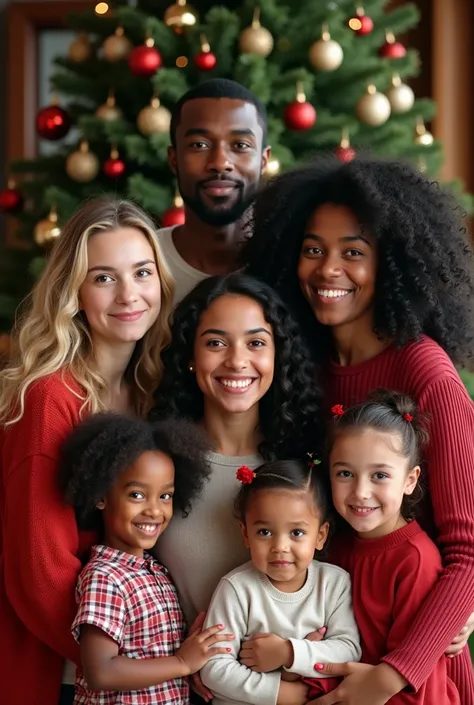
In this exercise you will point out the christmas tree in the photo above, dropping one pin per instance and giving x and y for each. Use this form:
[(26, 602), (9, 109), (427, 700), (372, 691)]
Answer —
[(332, 74)]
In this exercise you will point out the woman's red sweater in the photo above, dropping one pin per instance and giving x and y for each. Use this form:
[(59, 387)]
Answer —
[(424, 371), (40, 546)]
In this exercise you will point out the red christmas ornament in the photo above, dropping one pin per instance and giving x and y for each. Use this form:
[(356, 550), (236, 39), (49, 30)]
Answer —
[(52, 123), (114, 167), (174, 215), (145, 60), (299, 115), (11, 200), (362, 23), (392, 49), (345, 154), (205, 60)]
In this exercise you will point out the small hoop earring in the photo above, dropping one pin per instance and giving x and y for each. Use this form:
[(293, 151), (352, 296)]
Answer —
[(191, 368)]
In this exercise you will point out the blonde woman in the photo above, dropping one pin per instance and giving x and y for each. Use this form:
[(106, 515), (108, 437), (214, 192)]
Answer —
[(89, 342)]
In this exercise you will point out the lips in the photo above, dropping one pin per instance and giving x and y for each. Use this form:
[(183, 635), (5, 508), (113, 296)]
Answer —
[(129, 317), (219, 188), (148, 528), (362, 511)]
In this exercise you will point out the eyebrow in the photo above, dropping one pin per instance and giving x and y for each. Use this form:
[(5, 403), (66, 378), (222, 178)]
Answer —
[(135, 483), (204, 131), (373, 466), (291, 523), (347, 238), (105, 268), (217, 331)]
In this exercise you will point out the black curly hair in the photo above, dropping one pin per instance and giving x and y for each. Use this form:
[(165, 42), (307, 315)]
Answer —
[(425, 277), (106, 444), (290, 416), (388, 411)]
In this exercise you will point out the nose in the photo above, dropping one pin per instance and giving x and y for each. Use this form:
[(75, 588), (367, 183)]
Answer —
[(281, 544), (330, 266), (126, 292), (236, 358), (154, 510), (220, 159), (362, 489)]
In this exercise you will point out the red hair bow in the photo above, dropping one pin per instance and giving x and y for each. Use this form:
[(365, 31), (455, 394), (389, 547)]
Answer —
[(338, 410), (408, 417), (245, 475)]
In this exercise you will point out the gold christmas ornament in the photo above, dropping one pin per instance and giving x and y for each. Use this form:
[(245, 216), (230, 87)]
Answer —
[(154, 119), (256, 39), (47, 230), (373, 108), (109, 111), (273, 167), (400, 95), (117, 47), (422, 136), (82, 165), (81, 49), (180, 16), (326, 54)]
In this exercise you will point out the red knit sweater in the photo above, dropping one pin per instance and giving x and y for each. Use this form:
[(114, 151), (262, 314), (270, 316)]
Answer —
[(391, 577), (423, 370), (39, 549)]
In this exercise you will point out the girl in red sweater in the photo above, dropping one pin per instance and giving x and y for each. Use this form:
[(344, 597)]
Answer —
[(90, 341), (374, 260), (374, 465)]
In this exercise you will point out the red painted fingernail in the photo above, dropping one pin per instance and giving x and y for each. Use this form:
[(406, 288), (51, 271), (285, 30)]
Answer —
[(228, 650), (323, 630), (318, 666)]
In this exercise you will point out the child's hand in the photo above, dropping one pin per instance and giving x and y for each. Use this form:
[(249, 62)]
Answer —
[(266, 652), (197, 649)]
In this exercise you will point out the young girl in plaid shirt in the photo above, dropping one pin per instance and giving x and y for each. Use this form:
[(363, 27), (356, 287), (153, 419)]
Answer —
[(124, 475)]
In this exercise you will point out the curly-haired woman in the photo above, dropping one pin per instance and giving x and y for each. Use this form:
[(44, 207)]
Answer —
[(98, 315), (237, 366), (374, 261)]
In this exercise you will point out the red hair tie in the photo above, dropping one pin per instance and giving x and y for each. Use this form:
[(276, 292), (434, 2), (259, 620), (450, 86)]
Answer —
[(245, 475), (338, 410), (408, 417)]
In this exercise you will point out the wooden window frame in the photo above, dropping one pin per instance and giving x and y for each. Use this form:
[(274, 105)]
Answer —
[(25, 21)]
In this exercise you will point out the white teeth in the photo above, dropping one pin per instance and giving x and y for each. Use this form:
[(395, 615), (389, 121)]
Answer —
[(363, 510), (150, 528), (236, 384), (333, 293)]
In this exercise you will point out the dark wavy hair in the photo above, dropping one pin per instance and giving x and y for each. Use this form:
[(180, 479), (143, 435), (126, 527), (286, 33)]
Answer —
[(425, 277), (103, 446), (387, 411), (289, 413)]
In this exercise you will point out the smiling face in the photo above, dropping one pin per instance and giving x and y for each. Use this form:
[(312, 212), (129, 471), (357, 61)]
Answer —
[(338, 267), (282, 530), (369, 478), (234, 354), (121, 295), (139, 506), (218, 158)]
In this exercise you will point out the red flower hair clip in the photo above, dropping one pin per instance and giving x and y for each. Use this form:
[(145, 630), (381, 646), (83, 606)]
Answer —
[(245, 475), (408, 417), (337, 410)]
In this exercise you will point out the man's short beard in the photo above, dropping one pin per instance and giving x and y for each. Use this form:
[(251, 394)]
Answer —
[(220, 217)]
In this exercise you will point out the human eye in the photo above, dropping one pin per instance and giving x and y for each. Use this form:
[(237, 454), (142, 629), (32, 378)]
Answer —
[(264, 532), (257, 343), (166, 496), (344, 474), (380, 476), (353, 252), (242, 146), (311, 251), (297, 533), (144, 273), (103, 279), (214, 343), (136, 495), (198, 144)]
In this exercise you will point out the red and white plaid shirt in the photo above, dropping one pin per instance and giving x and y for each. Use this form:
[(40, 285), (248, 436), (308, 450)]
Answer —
[(133, 601)]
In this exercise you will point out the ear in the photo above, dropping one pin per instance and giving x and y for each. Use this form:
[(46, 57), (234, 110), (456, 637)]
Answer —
[(101, 504), (172, 160), (266, 154), (322, 536), (412, 479), (245, 536)]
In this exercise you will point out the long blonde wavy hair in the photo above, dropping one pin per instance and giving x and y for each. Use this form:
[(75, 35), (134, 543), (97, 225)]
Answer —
[(53, 335)]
